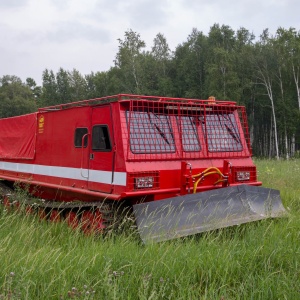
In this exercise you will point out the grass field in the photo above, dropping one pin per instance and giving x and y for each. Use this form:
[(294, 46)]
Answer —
[(260, 260)]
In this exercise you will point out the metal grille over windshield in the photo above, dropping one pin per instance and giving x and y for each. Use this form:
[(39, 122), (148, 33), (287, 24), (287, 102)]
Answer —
[(162, 130), (189, 133), (221, 132), (150, 133)]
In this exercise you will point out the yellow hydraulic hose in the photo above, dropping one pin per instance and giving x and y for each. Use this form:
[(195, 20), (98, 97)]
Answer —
[(208, 169), (207, 172)]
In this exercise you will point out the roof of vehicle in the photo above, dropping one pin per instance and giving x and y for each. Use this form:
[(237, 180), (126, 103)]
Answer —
[(129, 97)]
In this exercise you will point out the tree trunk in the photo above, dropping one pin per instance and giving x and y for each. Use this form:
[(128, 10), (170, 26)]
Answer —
[(296, 79), (287, 155), (266, 82), (271, 140), (293, 146), (284, 118)]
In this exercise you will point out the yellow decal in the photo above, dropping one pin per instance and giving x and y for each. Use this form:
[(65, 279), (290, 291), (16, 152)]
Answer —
[(41, 123)]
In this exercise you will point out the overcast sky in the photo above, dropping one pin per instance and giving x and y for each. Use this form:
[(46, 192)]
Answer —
[(82, 34)]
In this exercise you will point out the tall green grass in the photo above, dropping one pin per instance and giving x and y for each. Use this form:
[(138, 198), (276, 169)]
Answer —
[(260, 260)]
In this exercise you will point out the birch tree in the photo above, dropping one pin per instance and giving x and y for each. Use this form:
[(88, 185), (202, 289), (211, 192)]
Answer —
[(222, 80), (128, 59), (265, 77), (161, 52), (287, 50)]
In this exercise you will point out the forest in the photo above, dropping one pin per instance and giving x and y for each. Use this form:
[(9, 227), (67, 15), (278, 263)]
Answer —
[(262, 73)]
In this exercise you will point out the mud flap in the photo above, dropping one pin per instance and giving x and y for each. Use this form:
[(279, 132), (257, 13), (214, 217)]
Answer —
[(193, 213)]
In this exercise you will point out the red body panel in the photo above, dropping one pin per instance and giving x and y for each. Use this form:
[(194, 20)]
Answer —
[(131, 148)]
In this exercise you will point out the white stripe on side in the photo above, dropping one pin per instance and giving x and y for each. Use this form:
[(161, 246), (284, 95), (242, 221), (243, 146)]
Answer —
[(64, 172)]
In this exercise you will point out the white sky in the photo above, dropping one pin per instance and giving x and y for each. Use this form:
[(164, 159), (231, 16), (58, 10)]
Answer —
[(82, 34)]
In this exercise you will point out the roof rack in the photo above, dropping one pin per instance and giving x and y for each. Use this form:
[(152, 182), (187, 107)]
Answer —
[(120, 97)]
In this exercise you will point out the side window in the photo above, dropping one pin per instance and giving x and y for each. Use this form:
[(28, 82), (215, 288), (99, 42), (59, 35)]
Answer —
[(79, 133), (100, 138)]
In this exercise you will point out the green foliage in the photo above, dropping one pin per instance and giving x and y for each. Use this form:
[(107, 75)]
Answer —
[(78, 86), (129, 61), (189, 66), (49, 89), (63, 86), (259, 260), (16, 98), (35, 89)]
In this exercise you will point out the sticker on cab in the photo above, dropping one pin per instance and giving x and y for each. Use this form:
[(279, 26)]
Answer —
[(41, 123)]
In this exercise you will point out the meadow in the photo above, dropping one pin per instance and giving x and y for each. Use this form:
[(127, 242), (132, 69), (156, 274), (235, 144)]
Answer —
[(260, 260)]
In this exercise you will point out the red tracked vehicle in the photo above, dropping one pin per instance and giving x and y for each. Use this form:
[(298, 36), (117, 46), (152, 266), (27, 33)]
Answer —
[(193, 155)]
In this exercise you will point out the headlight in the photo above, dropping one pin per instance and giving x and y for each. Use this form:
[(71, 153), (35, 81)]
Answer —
[(242, 175), (144, 182)]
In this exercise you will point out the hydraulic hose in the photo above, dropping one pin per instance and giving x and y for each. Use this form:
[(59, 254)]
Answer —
[(205, 173)]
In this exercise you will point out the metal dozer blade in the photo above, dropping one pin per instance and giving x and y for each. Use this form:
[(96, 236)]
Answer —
[(194, 213)]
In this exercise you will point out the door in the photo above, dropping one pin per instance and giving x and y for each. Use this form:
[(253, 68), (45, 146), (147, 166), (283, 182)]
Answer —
[(101, 150)]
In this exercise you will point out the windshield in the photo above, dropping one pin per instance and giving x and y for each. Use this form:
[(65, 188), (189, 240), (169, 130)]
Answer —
[(150, 132), (189, 134), (221, 132)]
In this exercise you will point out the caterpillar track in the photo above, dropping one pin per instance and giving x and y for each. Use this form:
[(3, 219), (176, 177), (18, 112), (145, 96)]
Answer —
[(90, 217)]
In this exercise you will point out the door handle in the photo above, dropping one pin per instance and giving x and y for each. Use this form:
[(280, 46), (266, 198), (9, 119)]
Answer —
[(92, 156)]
